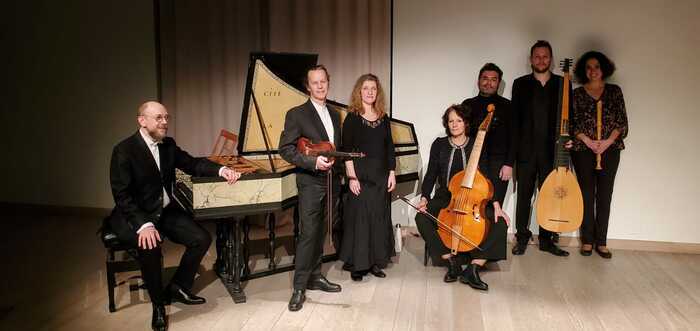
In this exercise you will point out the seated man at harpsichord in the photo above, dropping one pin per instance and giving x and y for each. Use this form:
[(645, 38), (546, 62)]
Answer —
[(142, 175)]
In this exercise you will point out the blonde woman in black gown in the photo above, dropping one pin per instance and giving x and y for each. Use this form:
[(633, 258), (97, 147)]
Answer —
[(368, 242)]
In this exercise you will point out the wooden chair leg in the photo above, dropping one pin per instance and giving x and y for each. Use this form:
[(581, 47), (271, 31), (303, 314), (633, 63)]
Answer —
[(111, 284), (425, 255)]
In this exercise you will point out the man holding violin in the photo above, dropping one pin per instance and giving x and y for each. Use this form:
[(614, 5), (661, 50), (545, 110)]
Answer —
[(316, 121)]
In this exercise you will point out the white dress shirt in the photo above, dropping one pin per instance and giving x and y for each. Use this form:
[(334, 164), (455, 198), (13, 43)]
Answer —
[(153, 147), (323, 112)]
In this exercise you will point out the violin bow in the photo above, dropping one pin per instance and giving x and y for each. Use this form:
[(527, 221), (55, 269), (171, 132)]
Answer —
[(439, 222)]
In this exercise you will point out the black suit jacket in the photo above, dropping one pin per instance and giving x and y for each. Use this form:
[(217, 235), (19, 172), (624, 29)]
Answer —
[(523, 116), (137, 185), (304, 121)]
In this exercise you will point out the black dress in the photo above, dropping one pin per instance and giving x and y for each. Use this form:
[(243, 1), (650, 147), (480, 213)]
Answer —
[(443, 156), (367, 232)]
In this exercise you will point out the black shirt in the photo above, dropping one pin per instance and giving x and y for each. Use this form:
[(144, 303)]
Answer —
[(541, 103), (535, 114), (439, 164), (497, 144)]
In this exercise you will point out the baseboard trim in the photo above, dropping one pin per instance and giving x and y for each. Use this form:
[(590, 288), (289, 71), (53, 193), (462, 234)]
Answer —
[(626, 244), (43, 210)]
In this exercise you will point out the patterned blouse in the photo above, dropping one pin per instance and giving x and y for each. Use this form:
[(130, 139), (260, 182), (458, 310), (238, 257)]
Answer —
[(583, 119)]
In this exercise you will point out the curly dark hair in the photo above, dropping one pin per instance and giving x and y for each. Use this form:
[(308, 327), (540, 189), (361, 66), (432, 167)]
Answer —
[(464, 112), (607, 67)]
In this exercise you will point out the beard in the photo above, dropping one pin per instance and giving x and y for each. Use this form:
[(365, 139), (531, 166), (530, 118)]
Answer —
[(540, 71), (158, 133)]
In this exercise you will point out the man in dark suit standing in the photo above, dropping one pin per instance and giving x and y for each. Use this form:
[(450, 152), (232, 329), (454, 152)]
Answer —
[(142, 175), (317, 121), (535, 103), (498, 152)]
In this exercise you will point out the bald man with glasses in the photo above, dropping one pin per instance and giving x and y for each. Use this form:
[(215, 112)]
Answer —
[(142, 175)]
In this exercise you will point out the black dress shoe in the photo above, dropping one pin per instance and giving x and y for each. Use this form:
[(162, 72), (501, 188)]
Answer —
[(356, 276), (470, 276), (554, 249), (603, 254), (159, 322), (176, 293), (321, 283), (453, 270), (377, 272), (347, 266), (555, 237), (586, 252), (297, 300), (519, 249)]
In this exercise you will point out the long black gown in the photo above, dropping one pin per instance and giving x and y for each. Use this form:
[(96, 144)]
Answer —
[(443, 156), (367, 231)]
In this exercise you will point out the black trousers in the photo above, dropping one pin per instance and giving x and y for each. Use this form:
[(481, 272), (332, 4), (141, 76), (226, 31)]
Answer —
[(180, 228), (493, 247), (528, 174), (597, 188), (312, 225)]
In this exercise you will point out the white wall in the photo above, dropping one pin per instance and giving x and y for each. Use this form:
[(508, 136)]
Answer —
[(439, 47), (77, 71)]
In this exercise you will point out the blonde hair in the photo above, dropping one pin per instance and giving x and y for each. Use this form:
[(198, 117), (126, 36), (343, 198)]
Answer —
[(356, 97)]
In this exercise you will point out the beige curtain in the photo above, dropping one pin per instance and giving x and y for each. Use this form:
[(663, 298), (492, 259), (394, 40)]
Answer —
[(205, 47)]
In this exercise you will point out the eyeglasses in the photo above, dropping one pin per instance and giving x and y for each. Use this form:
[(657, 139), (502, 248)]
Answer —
[(159, 118)]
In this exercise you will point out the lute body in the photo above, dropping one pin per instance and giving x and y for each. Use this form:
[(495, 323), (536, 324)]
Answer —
[(560, 202)]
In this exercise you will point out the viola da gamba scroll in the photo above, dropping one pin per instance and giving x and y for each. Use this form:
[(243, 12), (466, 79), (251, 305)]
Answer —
[(559, 201)]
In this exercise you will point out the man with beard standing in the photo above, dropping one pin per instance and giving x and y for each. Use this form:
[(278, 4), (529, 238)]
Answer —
[(142, 175), (535, 108), (498, 152)]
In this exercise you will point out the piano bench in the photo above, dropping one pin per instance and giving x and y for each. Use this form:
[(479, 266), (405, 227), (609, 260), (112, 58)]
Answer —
[(114, 265)]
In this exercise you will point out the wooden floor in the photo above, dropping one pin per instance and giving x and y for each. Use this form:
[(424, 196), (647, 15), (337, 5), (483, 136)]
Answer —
[(53, 278)]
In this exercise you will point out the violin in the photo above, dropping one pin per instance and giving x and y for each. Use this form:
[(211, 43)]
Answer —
[(471, 192), (324, 148), (327, 149)]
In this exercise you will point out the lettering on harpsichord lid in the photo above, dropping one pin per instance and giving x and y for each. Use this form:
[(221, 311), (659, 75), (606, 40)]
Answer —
[(272, 93)]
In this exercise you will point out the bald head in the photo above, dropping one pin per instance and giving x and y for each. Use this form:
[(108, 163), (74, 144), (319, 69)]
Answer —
[(153, 117), (149, 105)]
